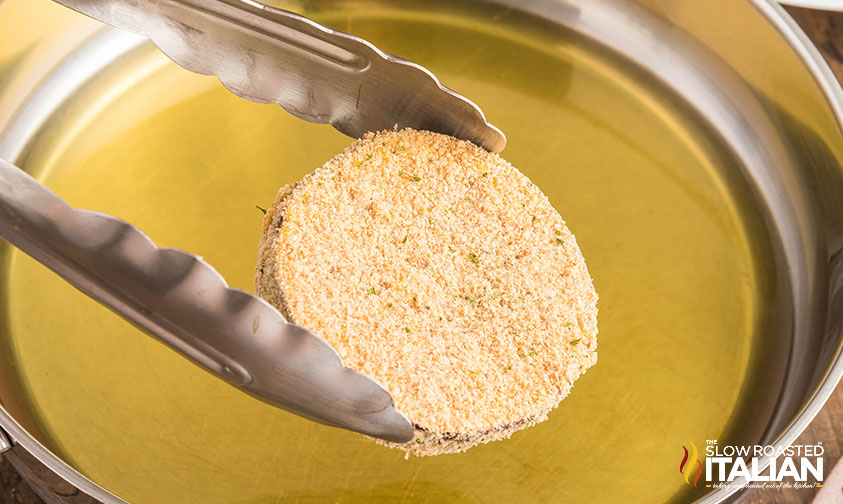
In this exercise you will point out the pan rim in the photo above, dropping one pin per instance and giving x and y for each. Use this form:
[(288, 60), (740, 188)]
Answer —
[(833, 94), (834, 5), (831, 89)]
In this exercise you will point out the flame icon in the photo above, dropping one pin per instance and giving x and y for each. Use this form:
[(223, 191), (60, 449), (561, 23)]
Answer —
[(686, 467)]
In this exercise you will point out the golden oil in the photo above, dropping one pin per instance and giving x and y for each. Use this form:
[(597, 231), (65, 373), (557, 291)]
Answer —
[(186, 161)]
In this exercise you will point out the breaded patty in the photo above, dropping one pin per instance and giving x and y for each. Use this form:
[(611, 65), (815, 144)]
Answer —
[(441, 271)]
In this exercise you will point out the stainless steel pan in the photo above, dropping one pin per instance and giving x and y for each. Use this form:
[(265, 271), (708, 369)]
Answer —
[(742, 70)]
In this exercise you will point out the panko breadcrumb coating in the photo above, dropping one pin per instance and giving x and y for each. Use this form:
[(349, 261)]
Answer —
[(441, 271)]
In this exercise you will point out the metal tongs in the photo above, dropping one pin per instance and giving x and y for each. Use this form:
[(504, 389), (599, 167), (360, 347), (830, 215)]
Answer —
[(265, 55)]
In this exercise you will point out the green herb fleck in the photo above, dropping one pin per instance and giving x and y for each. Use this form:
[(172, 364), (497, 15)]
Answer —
[(419, 441), (574, 342), (389, 305), (569, 324), (534, 220), (371, 291), (358, 164), (405, 175), (532, 351), (523, 205), (485, 174), (407, 330), (474, 258), (559, 242), (507, 368), (558, 232), (368, 157), (261, 209), (405, 239)]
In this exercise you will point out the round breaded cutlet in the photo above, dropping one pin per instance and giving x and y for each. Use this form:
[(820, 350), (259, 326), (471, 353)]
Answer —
[(441, 271)]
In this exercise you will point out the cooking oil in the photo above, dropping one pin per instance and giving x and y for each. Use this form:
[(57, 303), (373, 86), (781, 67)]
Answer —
[(673, 255)]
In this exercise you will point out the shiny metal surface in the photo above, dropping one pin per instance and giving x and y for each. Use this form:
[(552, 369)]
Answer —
[(815, 364), (185, 303), (48, 485), (317, 74), (5, 442), (38, 454), (834, 5), (755, 79)]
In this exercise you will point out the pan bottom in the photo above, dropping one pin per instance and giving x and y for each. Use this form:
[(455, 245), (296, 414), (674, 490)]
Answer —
[(674, 245)]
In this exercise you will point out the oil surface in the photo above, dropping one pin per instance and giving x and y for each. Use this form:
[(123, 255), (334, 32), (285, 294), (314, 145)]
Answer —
[(180, 157)]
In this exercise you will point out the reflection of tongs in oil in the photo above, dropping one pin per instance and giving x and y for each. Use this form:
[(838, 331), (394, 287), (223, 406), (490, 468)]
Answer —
[(265, 55)]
